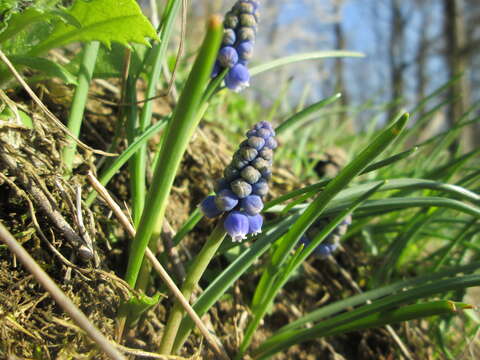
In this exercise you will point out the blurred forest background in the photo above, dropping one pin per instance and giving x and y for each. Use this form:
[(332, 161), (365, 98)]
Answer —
[(411, 47)]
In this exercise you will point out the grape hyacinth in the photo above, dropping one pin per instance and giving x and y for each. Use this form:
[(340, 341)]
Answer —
[(332, 242), (241, 191), (240, 27)]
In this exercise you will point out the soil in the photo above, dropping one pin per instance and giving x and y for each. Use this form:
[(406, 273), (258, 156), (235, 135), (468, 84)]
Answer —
[(33, 326)]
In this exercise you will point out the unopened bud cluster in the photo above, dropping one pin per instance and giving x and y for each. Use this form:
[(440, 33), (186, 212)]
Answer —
[(240, 27), (332, 242), (244, 184)]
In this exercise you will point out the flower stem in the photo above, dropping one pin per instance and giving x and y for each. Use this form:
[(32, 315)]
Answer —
[(79, 100), (177, 135), (193, 276)]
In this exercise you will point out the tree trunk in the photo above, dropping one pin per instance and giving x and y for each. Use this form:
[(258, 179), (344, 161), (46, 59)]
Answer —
[(396, 50), (456, 60)]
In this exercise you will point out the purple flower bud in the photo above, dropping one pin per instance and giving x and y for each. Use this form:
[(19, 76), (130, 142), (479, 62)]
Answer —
[(245, 7), (250, 174), (241, 188), (239, 162), (252, 204), (227, 57), (266, 173), (255, 223), (230, 21), (248, 153), (248, 20), (246, 34), (265, 125), (229, 37), (266, 153), (271, 143), (237, 78), (264, 133), (252, 132), (260, 164), (260, 188), (323, 250), (226, 200), (256, 142), (208, 207), (236, 224)]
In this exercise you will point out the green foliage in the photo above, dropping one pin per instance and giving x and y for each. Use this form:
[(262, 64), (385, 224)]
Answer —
[(102, 20), (32, 32)]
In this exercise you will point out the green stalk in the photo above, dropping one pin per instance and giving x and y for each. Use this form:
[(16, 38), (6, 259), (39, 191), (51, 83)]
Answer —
[(193, 277), (79, 100), (139, 161), (136, 165), (177, 135)]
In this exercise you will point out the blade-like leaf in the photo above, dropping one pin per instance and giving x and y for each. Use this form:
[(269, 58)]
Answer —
[(302, 57)]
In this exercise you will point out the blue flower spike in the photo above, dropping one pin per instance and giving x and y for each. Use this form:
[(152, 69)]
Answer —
[(332, 242), (241, 191), (240, 28)]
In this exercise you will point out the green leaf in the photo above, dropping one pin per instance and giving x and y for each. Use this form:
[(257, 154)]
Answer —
[(22, 20), (46, 66), (302, 57), (103, 20)]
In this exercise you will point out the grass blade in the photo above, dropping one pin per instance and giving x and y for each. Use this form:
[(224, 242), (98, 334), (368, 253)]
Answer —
[(302, 57), (305, 114)]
